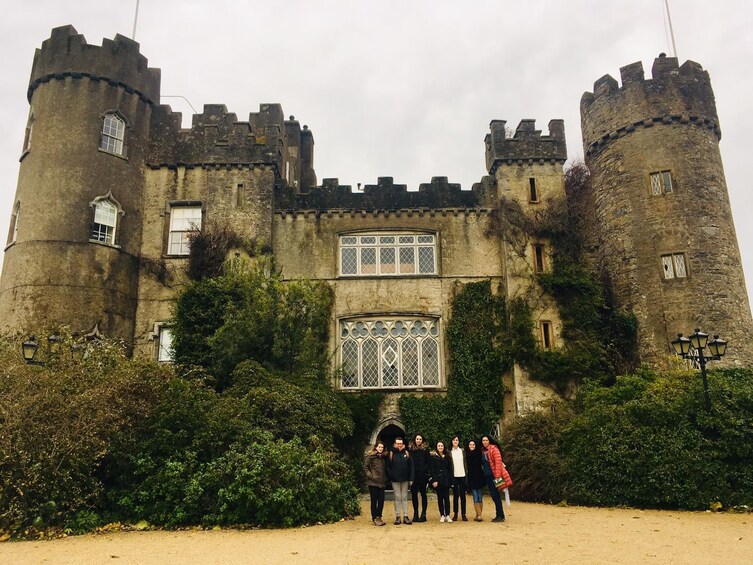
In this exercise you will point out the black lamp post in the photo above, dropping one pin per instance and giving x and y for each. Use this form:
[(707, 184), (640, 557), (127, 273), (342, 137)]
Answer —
[(694, 347), (30, 347)]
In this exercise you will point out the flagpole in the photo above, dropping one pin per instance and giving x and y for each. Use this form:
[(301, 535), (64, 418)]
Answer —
[(671, 31), (136, 17)]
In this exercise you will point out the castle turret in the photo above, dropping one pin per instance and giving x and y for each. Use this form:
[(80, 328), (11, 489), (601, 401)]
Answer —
[(662, 219), (73, 258)]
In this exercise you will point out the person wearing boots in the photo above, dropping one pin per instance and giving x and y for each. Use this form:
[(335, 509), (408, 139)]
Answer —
[(420, 457), (400, 471), (476, 481), (458, 480), (375, 469)]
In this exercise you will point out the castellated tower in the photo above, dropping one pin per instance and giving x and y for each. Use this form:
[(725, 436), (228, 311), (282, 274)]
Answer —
[(662, 221), (81, 169)]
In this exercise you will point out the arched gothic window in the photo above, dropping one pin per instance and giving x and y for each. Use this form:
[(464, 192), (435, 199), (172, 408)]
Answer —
[(104, 226), (113, 134)]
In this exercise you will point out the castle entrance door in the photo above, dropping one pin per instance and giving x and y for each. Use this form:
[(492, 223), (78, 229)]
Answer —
[(388, 435)]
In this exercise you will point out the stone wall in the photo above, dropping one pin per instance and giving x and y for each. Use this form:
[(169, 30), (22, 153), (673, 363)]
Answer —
[(667, 123)]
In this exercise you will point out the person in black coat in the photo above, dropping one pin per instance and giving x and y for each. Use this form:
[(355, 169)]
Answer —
[(476, 479), (420, 457), (440, 478), (400, 470)]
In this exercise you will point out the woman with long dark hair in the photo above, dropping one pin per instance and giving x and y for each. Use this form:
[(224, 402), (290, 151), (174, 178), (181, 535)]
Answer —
[(491, 464), (375, 469), (476, 480), (420, 457), (440, 479), (460, 470)]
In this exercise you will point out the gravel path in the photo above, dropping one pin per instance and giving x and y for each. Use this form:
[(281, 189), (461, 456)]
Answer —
[(533, 533)]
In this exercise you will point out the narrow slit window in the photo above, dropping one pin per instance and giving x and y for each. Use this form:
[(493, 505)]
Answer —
[(539, 258), (14, 219), (546, 335), (533, 193), (240, 195)]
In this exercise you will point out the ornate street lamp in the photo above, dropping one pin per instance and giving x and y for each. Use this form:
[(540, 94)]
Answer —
[(29, 351), (30, 347), (694, 347)]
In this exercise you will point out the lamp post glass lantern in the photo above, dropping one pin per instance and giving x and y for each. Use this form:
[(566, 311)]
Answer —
[(694, 347), (30, 347)]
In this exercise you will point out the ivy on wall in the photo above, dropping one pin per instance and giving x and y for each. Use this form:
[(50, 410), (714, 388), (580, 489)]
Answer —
[(478, 353), (600, 340)]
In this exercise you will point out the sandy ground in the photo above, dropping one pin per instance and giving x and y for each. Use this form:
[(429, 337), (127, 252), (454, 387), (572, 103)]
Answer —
[(533, 533)]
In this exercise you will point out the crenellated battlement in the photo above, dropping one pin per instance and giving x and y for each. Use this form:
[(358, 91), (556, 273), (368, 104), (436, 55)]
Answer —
[(117, 61), (526, 145), (674, 94), (386, 195), (217, 136)]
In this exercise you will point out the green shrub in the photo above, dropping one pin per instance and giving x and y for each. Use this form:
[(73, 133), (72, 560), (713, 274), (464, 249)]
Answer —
[(58, 423), (533, 455), (647, 441), (278, 483)]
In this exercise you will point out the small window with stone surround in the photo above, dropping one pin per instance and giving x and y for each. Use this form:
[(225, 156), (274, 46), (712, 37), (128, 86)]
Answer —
[(183, 220), (105, 221), (673, 266), (113, 135), (164, 343), (539, 258), (661, 182)]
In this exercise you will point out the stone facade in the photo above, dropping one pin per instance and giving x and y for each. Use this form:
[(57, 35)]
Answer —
[(66, 265), (666, 124)]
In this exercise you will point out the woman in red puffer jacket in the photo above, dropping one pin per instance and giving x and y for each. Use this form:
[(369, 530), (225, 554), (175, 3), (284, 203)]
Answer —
[(491, 464)]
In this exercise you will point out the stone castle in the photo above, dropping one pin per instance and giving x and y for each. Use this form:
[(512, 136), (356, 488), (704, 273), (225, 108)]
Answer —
[(110, 187)]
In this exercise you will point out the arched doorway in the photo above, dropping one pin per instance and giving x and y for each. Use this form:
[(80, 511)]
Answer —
[(388, 434)]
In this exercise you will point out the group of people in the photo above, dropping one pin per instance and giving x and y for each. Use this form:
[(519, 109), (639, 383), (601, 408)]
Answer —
[(414, 468)]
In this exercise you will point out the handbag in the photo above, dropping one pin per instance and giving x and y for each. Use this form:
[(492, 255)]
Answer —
[(505, 481)]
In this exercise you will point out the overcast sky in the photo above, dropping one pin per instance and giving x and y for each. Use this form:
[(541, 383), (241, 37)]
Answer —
[(401, 88)]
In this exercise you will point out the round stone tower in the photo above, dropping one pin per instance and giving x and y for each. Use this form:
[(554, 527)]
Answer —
[(73, 250), (663, 224)]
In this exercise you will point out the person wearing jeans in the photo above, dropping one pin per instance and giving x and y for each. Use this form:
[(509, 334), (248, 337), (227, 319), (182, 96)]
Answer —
[(476, 480), (491, 463), (401, 471)]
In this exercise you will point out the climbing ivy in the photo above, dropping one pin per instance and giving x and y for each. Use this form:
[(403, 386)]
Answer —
[(479, 353), (600, 340)]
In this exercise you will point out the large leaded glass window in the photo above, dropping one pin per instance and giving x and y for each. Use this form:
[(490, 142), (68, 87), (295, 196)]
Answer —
[(388, 254), (389, 353)]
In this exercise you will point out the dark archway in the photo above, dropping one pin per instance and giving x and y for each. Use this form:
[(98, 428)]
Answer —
[(389, 433)]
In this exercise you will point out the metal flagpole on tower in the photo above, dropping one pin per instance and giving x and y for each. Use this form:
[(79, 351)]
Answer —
[(135, 19), (671, 31)]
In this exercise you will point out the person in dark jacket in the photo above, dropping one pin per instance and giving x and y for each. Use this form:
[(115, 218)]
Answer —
[(476, 480), (440, 478), (375, 469), (420, 457), (400, 472)]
